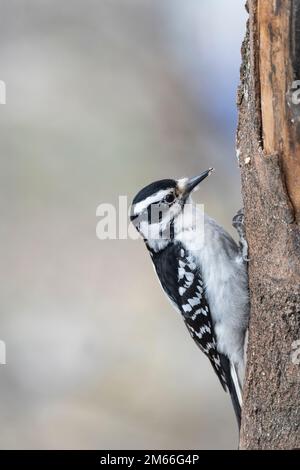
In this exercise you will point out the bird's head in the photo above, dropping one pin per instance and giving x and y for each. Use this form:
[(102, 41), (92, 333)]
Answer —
[(157, 207)]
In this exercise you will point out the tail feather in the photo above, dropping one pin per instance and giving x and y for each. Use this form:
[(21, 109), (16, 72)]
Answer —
[(234, 386), (236, 383)]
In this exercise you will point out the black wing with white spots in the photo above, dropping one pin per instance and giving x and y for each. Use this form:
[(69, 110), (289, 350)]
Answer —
[(182, 282)]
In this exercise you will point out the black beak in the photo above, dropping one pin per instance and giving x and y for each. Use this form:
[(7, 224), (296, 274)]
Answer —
[(192, 183)]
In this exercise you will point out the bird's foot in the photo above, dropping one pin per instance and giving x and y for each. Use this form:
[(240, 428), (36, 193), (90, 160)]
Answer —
[(238, 222)]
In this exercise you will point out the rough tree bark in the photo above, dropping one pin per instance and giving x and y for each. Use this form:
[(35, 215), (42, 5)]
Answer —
[(268, 148)]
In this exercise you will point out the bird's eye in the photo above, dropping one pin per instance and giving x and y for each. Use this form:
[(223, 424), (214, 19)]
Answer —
[(170, 198)]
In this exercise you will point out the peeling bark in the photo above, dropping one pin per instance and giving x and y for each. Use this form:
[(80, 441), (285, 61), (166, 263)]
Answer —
[(268, 145)]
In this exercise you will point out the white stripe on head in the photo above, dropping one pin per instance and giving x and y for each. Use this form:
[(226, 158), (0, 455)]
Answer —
[(156, 197)]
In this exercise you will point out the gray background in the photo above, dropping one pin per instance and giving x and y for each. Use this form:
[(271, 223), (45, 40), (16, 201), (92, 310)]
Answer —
[(103, 97)]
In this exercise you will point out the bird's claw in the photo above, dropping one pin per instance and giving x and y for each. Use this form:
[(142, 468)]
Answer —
[(238, 222)]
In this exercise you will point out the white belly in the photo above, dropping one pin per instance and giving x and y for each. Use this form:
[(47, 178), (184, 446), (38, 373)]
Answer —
[(226, 286)]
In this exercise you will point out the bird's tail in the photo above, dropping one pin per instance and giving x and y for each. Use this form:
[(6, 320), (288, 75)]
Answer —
[(234, 386)]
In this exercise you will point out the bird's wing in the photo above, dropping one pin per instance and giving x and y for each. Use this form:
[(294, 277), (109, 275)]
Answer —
[(182, 282)]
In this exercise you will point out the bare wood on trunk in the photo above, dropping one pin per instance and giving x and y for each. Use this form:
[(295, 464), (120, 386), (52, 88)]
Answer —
[(268, 146)]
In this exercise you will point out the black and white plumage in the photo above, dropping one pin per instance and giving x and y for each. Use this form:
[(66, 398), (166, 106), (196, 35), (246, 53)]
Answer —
[(202, 271), (181, 280)]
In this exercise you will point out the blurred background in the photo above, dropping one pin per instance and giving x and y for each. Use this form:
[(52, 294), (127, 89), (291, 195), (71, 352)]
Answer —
[(103, 97)]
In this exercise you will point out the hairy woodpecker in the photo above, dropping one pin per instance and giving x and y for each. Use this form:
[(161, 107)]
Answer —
[(203, 272)]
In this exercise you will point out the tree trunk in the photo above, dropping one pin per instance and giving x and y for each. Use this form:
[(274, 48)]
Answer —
[(268, 149)]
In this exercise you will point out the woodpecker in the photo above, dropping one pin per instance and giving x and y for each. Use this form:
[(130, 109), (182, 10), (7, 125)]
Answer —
[(202, 270)]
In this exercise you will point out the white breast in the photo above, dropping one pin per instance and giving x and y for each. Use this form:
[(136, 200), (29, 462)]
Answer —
[(225, 279)]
